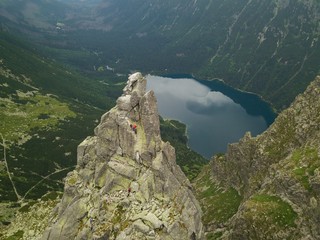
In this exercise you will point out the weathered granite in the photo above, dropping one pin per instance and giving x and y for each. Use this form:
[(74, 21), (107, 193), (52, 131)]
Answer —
[(127, 185)]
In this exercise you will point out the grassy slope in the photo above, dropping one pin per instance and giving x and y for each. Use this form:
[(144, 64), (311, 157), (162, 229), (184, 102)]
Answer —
[(218, 204)]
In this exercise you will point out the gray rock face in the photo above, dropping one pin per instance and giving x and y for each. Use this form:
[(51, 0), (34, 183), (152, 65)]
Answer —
[(277, 174), (126, 184)]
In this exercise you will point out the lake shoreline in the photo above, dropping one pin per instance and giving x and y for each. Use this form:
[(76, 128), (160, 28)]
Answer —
[(221, 80), (214, 113)]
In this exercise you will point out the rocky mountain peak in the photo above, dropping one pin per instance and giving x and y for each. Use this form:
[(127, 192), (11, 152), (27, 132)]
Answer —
[(126, 184)]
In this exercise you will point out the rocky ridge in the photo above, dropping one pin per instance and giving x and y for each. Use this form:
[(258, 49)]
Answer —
[(126, 184), (277, 175)]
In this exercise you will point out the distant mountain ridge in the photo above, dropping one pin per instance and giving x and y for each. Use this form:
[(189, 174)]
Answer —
[(267, 47)]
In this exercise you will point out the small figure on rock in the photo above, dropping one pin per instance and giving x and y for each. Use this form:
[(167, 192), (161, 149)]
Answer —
[(134, 128), (137, 156), (129, 191)]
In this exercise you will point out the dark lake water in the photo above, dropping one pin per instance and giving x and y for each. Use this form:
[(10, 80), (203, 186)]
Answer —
[(215, 114)]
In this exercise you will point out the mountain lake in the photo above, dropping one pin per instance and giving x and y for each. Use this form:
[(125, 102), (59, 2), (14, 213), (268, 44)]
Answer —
[(215, 114)]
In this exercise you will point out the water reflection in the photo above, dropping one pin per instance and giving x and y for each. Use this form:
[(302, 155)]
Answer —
[(213, 119)]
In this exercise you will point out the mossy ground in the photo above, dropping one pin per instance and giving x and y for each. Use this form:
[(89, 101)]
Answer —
[(285, 136), (267, 216), (7, 211), (16, 236), (31, 215), (306, 161), (272, 210), (218, 204)]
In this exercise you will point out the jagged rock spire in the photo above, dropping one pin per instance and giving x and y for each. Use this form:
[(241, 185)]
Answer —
[(126, 184)]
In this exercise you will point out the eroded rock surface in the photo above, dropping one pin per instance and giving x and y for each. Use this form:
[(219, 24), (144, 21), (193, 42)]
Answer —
[(126, 184)]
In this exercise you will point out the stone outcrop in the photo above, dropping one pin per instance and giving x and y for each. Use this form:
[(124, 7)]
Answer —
[(277, 175), (126, 184)]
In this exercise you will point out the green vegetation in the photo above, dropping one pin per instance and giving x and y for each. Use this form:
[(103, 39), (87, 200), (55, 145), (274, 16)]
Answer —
[(218, 204), (276, 71), (214, 236), (285, 135), (30, 110), (271, 210), (258, 51), (190, 162), (306, 161), (118, 220), (81, 59), (17, 236), (7, 211), (32, 214), (46, 110), (25, 65), (27, 206), (51, 196), (268, 49)]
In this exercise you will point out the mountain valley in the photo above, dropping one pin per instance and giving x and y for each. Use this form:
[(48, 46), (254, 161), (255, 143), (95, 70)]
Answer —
[(64, 64)]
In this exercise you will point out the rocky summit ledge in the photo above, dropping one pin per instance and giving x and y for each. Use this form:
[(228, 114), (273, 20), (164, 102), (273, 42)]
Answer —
[(127, 184)]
